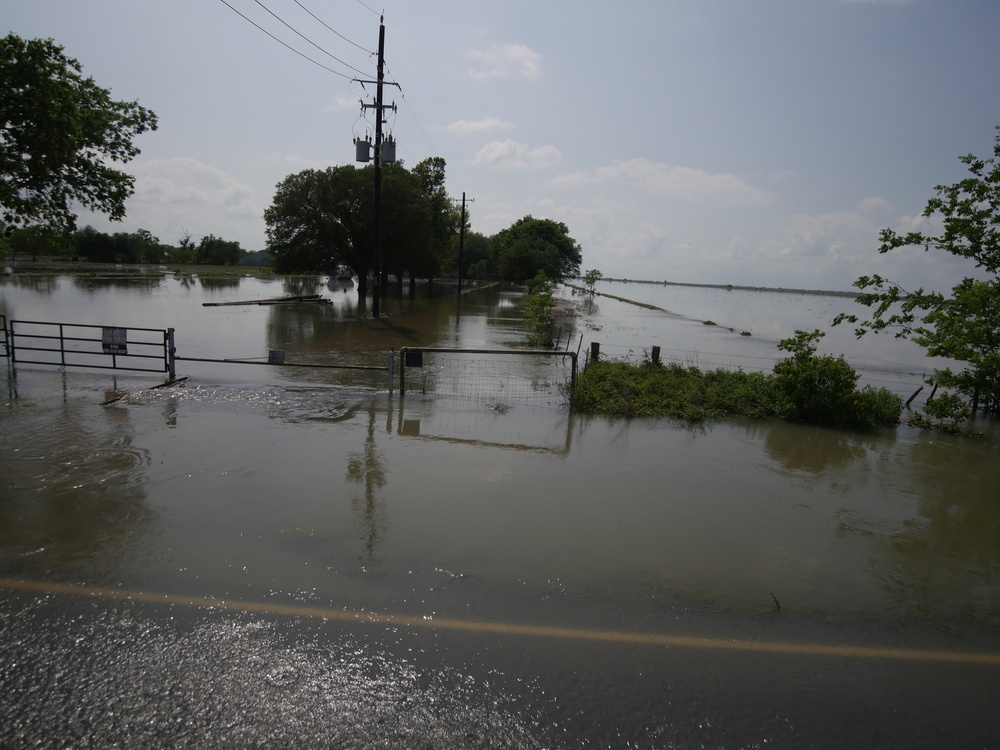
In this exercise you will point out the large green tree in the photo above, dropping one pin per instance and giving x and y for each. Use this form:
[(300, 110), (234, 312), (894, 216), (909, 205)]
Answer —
[(320, 219), (965, 324), (531, 245), (59, 134)]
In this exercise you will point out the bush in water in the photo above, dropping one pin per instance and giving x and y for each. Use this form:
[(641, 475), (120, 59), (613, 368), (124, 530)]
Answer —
[(822, 389), (803, 388)]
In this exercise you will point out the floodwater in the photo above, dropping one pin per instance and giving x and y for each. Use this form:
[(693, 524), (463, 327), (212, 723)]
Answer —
[(293, 557)]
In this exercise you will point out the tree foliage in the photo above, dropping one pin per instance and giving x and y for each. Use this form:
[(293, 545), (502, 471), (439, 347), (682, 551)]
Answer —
[(821, 389), (531, 245), (215, 251), (35, 241), (478, 255), (59, 131), (320, 219), (964, 325), (538, 309), (591, 277), (141, 246)]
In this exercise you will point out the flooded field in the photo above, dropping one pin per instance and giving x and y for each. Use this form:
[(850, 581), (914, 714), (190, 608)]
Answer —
[(265, 557)]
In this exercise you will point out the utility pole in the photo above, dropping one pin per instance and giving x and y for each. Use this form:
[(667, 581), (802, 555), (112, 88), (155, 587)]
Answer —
[(379, 108), (461, 244)]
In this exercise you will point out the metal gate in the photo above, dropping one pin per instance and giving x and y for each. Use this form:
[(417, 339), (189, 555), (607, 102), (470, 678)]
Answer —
[(78, 345)]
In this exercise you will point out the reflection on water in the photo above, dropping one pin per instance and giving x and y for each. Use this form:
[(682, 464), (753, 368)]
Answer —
[(366, 469), (38, 284), (815, 449), (139, 283), (943, 561), (220, 282), (299, 286)]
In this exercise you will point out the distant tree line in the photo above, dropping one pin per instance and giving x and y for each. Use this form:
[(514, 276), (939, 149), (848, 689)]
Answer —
[(121, 247), (322, 219)]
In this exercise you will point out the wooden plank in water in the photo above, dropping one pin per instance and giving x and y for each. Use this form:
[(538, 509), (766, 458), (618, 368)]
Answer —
[(269, 301)]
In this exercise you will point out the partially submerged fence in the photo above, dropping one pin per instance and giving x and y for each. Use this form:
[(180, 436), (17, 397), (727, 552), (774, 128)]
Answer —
[(496, 376), (80, 345)]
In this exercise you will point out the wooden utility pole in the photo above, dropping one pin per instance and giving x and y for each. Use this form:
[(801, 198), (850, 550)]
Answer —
[(379, 108), (461, 245)]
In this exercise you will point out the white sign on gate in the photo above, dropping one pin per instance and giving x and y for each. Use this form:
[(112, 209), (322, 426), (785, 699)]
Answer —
[(114, 340)]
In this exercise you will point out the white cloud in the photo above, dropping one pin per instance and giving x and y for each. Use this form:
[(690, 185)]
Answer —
[(510, 154), (183, 195), (929, 225), (682, 183), (284, 164), (835, 234), (503, 60), (343, 103), (485, 125), (874, 205), (184, 181)]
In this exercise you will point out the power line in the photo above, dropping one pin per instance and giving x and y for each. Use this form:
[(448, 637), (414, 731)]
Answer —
[(420, 127), (360, 2), (288, 46), (303, 36), (333, 30), (413, 114)]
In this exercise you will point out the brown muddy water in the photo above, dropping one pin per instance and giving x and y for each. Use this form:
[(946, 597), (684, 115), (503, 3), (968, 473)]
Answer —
[(280, 557)]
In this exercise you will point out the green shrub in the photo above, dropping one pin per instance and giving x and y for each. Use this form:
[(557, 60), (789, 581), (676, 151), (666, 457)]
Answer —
[(672, 390), (822, 390), (945, 413), (804, 388), (538, 310)]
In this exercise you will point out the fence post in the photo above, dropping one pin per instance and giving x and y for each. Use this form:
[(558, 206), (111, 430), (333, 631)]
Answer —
[(392, 365), (171, 354), (656, 355), (595, 351), (402, 371), (12, 348)]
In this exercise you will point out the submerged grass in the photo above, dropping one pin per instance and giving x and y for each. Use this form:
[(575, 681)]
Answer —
[(805, 388), (673, 390)]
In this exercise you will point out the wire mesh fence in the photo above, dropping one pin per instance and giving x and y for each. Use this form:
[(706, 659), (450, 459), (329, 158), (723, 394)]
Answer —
[(498, 377)]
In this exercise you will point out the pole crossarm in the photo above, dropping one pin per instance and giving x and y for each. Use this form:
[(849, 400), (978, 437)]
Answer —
[(384, 83)]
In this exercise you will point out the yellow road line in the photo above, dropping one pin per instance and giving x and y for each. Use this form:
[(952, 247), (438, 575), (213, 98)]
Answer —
[(501, 628)]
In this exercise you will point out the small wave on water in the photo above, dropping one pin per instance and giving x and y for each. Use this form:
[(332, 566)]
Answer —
[(294, 404)]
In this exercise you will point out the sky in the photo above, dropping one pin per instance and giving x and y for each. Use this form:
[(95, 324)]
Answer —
[(760, 143)]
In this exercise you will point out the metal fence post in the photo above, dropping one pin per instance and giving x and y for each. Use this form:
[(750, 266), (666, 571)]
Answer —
[(392, 364), (171, 354)]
